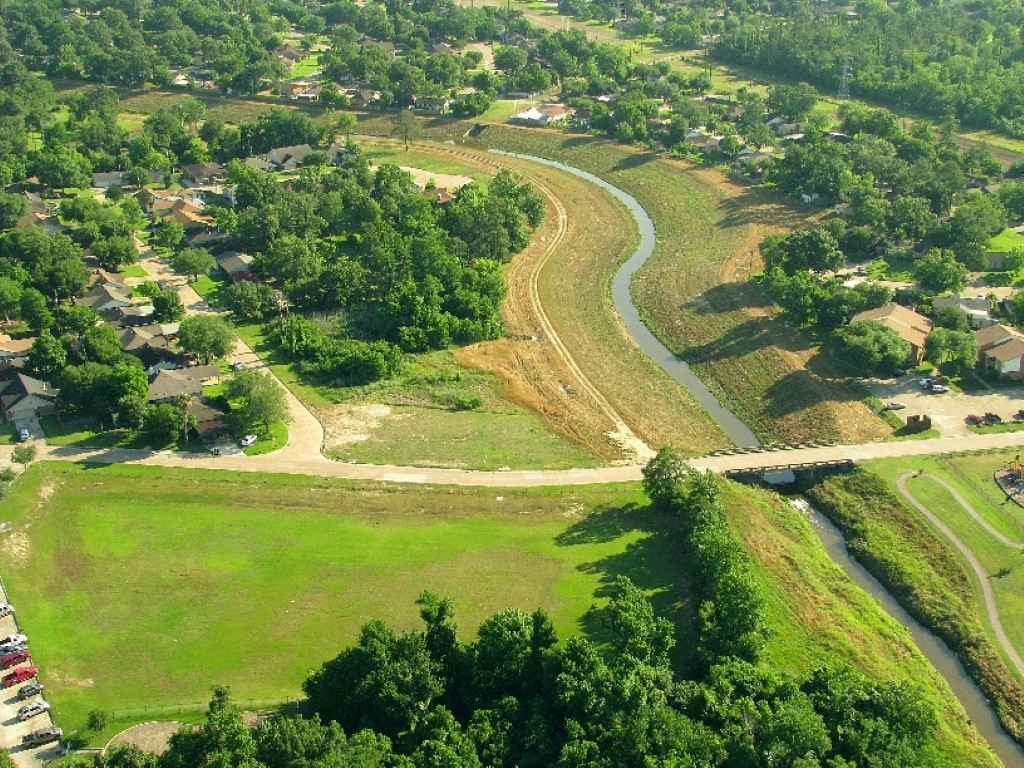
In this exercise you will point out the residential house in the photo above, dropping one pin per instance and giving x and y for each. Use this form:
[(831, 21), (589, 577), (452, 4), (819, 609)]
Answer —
[(206, 240), (169, 383), (189, 215), (289, 157), (211, 421), (977, 308), (203, 173), (147, 343), (150, 198), (237, 266), (137, 314), (108, 180), (103, 298), (309, 93), (431, 105), (1001, 349), (290, 53), (911, 326), (387, 45), (361, 98), (260, 164), (23, 397), (14, 349), (543, 115)]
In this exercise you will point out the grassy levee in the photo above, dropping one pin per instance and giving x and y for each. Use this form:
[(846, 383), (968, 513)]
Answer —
[(817, 616), (575, 288), (902, 551), (144, 586), (695, 295)]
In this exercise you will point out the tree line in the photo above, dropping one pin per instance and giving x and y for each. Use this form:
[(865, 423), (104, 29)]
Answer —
[(941, 60)]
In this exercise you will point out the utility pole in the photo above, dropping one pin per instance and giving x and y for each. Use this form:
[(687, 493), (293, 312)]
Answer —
[(844, 84)]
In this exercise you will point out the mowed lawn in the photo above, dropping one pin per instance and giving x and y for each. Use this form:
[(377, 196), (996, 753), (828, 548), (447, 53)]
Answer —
[(971, 475), (146, 586)]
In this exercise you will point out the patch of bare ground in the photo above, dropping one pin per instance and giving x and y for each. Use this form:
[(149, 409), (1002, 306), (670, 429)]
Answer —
[(152, 737), (575, 291), (348, 424), (15, 549)]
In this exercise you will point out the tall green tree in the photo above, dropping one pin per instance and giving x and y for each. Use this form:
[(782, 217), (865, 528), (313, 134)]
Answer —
[(206, 336)]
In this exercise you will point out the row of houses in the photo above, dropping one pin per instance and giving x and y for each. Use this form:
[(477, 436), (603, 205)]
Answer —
[(24, 398), (1000, 348)]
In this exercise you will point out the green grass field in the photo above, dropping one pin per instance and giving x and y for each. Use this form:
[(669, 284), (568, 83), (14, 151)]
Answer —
[(307, 66), (972, 477), (147, 586), (477, 439), (1006, 241), (143, 586)]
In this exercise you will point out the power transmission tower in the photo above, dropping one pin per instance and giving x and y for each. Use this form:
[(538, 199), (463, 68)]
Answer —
[(844, 84)]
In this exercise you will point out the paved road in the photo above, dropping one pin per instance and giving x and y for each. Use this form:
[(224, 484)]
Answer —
[(310, 462), (979, 571)]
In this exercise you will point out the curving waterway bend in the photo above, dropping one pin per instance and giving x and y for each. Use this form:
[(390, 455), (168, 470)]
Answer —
[(728, 421), (937, 652)]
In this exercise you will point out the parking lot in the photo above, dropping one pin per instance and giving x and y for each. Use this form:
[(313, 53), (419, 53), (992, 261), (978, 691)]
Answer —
[(949, 409), (12, 729)]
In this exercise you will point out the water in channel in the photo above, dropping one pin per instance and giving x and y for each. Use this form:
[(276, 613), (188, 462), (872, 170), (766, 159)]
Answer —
[(935, 650), (730, 424), (978, 708)]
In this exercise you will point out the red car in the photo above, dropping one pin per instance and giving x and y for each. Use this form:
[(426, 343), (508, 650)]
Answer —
[(18, 676), (13, 659)]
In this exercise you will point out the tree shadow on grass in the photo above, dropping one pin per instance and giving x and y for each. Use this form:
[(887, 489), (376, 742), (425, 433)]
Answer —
[(635, 160), (653, 562)]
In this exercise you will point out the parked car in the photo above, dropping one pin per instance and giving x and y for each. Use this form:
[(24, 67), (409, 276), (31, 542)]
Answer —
[(24, 434), (12, 647), (30, 690), (993, 418), (973, 419), (32, 709), (248, 440), (938, 388), (926, 383), (42, 736), (237, 365), (13, 639), (20, 675), (895, 405), (6, 610), (14, 658)]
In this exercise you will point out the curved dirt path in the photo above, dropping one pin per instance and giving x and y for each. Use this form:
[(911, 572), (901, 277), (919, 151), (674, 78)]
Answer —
[(621, 433), (987, 592)]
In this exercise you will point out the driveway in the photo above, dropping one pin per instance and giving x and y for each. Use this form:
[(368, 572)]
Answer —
[(305, 433), (948, 409)]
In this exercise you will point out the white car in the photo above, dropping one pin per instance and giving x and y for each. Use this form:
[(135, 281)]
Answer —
[(33, 709), (895, 405), (6, 610), (248, 440), (939, 388), (13, 639)]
